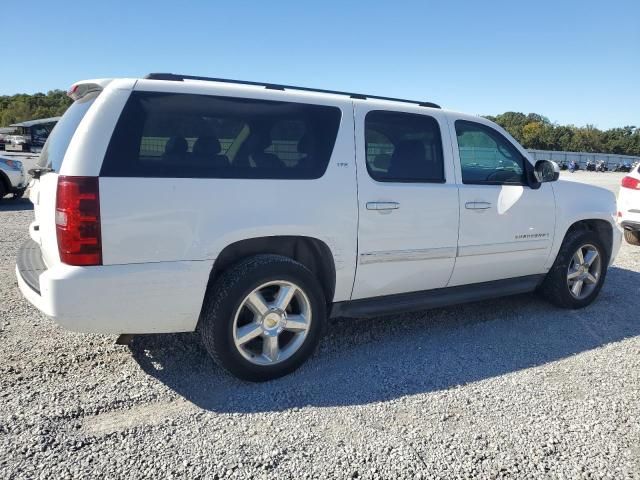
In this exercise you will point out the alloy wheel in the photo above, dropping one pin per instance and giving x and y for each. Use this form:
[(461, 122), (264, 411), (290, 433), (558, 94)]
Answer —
[(584, 271), (272, 323)]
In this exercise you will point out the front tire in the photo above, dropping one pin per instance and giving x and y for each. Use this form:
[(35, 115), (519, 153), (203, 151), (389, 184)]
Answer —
[(263, 318), (579, 271), (632, 238)]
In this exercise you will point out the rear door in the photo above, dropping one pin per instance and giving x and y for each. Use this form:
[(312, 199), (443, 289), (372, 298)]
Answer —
[(407, 197), (506, 227)]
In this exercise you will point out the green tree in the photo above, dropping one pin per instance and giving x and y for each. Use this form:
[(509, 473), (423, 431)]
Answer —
[(21, 107), (536, 131)]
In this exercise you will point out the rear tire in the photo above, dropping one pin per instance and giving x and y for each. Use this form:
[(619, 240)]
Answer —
[(263, 317), (632, 238), (3, 191), (17, 195), (573, 282)]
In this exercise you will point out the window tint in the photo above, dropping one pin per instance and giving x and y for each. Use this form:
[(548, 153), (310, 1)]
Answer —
[(57, 143), (201, 136), (403, 147), (487, 157)]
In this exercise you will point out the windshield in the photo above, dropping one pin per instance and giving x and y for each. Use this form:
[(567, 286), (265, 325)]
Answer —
[(57, 143)]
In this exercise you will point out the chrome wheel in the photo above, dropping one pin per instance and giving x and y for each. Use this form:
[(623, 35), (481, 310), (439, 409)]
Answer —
[(584, 271), (272, 323)]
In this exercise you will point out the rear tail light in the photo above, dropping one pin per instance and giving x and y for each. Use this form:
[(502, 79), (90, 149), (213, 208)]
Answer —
[(630, 182), (78, 221)]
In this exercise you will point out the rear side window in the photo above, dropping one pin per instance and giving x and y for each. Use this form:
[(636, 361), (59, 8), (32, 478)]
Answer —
[(403, 147), (56, 145), (201, 136)]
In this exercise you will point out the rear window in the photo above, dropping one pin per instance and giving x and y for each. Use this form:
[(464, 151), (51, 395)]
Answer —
[(403, 147), (56, 145), (201, 136)]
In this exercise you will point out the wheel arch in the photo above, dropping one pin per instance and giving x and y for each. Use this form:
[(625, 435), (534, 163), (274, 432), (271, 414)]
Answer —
[(6, 183), (311, 252), (602, 228)]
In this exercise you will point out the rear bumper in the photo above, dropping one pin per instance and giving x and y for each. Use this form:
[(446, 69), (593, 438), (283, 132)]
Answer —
[(139, 298), (630, 225)]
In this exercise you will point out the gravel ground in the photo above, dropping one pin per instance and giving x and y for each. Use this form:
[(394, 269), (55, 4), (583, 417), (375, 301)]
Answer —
[(512, 388)]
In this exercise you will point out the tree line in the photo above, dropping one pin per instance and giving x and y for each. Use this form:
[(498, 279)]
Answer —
[(21, 107), (532, 131), (537, 132)]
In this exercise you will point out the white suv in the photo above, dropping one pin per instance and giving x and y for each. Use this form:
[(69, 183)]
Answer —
[(629, 206), (253, 212)]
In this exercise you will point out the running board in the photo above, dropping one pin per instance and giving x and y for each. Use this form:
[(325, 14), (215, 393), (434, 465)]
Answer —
[(440, 297)]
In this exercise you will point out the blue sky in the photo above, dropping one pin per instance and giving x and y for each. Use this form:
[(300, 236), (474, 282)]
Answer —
[(573, 61)]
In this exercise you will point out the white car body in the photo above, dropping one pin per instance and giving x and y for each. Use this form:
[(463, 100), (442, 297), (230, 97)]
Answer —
[(629, 201), (161, 236), (12, 175)]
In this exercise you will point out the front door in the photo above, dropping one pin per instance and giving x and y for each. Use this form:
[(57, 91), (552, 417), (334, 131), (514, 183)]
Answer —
[(408, 200), (506, 227)]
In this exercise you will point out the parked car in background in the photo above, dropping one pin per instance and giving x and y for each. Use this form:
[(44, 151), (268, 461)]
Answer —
[(252, 212), (629, 206), (13, 179), (5, 133), (29, 136)]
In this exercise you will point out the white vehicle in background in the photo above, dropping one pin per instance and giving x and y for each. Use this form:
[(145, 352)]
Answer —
[(13, 179), (252, 212), (629, 206)]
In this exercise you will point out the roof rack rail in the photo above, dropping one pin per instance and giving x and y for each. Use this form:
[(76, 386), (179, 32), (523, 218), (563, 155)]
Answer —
[(273, 86)]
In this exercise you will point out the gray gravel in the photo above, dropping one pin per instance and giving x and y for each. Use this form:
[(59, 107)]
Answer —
[(512, 388)]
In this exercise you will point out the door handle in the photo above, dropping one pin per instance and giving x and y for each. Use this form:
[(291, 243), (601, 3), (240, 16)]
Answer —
[(477, 205), (383, 205)]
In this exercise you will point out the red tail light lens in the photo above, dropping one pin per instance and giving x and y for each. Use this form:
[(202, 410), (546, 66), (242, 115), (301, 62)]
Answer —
[(78, 221), (630, 182)]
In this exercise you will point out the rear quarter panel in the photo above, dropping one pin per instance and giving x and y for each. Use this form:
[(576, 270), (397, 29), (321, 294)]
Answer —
[(86, 150)]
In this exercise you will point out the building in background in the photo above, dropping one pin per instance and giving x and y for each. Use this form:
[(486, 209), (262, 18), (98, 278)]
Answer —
[(28, 136)]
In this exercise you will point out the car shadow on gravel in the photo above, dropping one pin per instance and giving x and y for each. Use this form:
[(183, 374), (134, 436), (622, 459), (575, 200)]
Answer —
[(375, 360), (10, 205)]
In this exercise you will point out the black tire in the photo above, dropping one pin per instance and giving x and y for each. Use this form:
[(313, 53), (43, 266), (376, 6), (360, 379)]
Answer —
[(3, 191), (18, 194), (555, 288), (225, 296), (632, 238)]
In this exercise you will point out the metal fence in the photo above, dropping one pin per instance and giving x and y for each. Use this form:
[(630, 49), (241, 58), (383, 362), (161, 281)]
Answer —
[(155, 146), (582, 157), (288, 151)]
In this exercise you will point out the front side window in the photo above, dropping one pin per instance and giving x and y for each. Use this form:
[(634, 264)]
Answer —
[(487, 157), (403, 147), (200, 136)]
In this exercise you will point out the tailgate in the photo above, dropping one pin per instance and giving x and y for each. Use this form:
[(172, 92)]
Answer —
[(43, 229), (45, 182)]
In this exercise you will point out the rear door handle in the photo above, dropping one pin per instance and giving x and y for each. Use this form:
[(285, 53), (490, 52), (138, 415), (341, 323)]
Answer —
[(477, 205), (383, 205)]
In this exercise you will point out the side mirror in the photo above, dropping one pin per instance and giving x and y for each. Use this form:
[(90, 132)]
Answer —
[(546, 171)]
